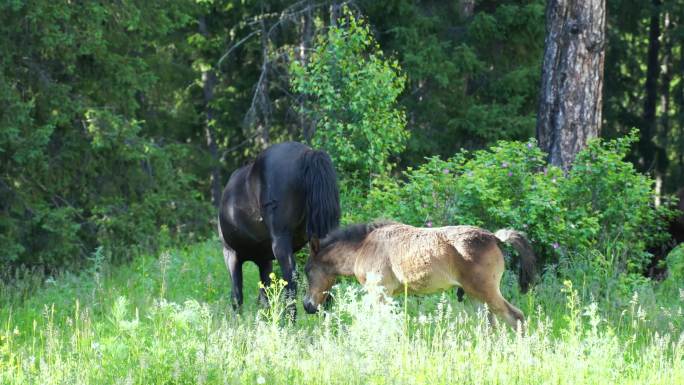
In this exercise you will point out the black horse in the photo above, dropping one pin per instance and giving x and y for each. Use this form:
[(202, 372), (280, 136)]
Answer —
[(271, 207)]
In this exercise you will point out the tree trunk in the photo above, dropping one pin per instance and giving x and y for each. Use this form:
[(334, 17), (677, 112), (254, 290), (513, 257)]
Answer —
[(265, 101), (666, 81), (649, 126), (680, 140), (572, 78), (465, 8), (334, 13), (209, 82), (661, 161), (306, 125)]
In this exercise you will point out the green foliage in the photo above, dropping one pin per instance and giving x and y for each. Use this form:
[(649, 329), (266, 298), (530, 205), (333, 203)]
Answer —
[(625, 85), (81, 161), (675, 269), (472, 79), (353, 91), (601, 205)]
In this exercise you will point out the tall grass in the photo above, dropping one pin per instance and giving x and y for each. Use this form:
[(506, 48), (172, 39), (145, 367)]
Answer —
[(167, 320)]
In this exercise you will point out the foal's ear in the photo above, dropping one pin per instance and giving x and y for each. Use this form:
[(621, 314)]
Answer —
[(314, 245)]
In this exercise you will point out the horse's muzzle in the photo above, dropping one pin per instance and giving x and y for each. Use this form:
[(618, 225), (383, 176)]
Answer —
[(309, 306)]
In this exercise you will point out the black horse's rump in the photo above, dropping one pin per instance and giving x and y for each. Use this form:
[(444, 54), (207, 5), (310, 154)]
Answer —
[(271, 207)]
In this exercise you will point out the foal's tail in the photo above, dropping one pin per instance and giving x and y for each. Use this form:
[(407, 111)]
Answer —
[(321, 194), (527, 258)]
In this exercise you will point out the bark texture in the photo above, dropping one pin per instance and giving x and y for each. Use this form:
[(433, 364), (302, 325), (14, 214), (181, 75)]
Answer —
[(572, 78)]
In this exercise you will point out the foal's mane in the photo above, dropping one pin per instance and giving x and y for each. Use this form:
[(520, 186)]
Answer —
[(356, 233)]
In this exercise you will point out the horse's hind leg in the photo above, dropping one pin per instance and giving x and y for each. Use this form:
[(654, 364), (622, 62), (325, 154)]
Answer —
[(515, 316), (482, 282), (510, 314), (498, 306), (234, 266), (484, 286), (282, 250), (265, 269)]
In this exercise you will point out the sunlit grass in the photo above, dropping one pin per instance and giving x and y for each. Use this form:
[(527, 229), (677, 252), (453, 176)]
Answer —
[(166, 320)]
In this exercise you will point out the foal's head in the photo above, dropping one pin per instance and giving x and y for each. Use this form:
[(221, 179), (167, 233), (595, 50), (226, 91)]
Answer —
[(330, 260), (321, 276)]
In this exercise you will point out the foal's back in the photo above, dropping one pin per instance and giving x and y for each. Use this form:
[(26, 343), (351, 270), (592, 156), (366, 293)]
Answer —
[(427, 260)]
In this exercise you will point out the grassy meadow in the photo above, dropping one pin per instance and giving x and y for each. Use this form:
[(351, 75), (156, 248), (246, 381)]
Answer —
[(165, 320)]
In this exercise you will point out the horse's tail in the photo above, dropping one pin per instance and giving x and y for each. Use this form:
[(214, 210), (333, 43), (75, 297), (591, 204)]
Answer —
[(520, 243), (321, 194)]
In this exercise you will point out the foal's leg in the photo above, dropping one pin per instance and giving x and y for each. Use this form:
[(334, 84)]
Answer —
[(484, 287), (282, 250), (459, 294), (497, 305), (265, 269), (511, 314), (234, 266)]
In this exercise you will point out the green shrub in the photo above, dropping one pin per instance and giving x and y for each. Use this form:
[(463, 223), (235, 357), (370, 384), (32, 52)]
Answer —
[(598, 218), (675, 268), (351, 91), (112, 187), (98, 131)]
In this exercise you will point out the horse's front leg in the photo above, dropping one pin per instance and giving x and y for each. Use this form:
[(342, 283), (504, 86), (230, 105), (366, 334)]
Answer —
[(282, 250), (234, 266)]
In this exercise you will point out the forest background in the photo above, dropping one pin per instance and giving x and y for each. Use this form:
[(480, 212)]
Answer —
[(121, 121)]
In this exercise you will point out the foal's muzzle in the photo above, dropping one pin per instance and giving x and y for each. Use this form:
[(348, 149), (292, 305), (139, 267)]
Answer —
[(309, 306)]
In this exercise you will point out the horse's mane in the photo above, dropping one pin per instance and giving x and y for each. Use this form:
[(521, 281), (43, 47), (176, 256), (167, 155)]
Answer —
[(353, 233)]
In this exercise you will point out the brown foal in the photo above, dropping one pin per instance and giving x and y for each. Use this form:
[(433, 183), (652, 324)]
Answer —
[(425, 260)]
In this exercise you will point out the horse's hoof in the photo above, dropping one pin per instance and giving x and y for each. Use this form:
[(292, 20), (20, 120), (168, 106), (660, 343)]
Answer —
[(459, 293), (236, 306)]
